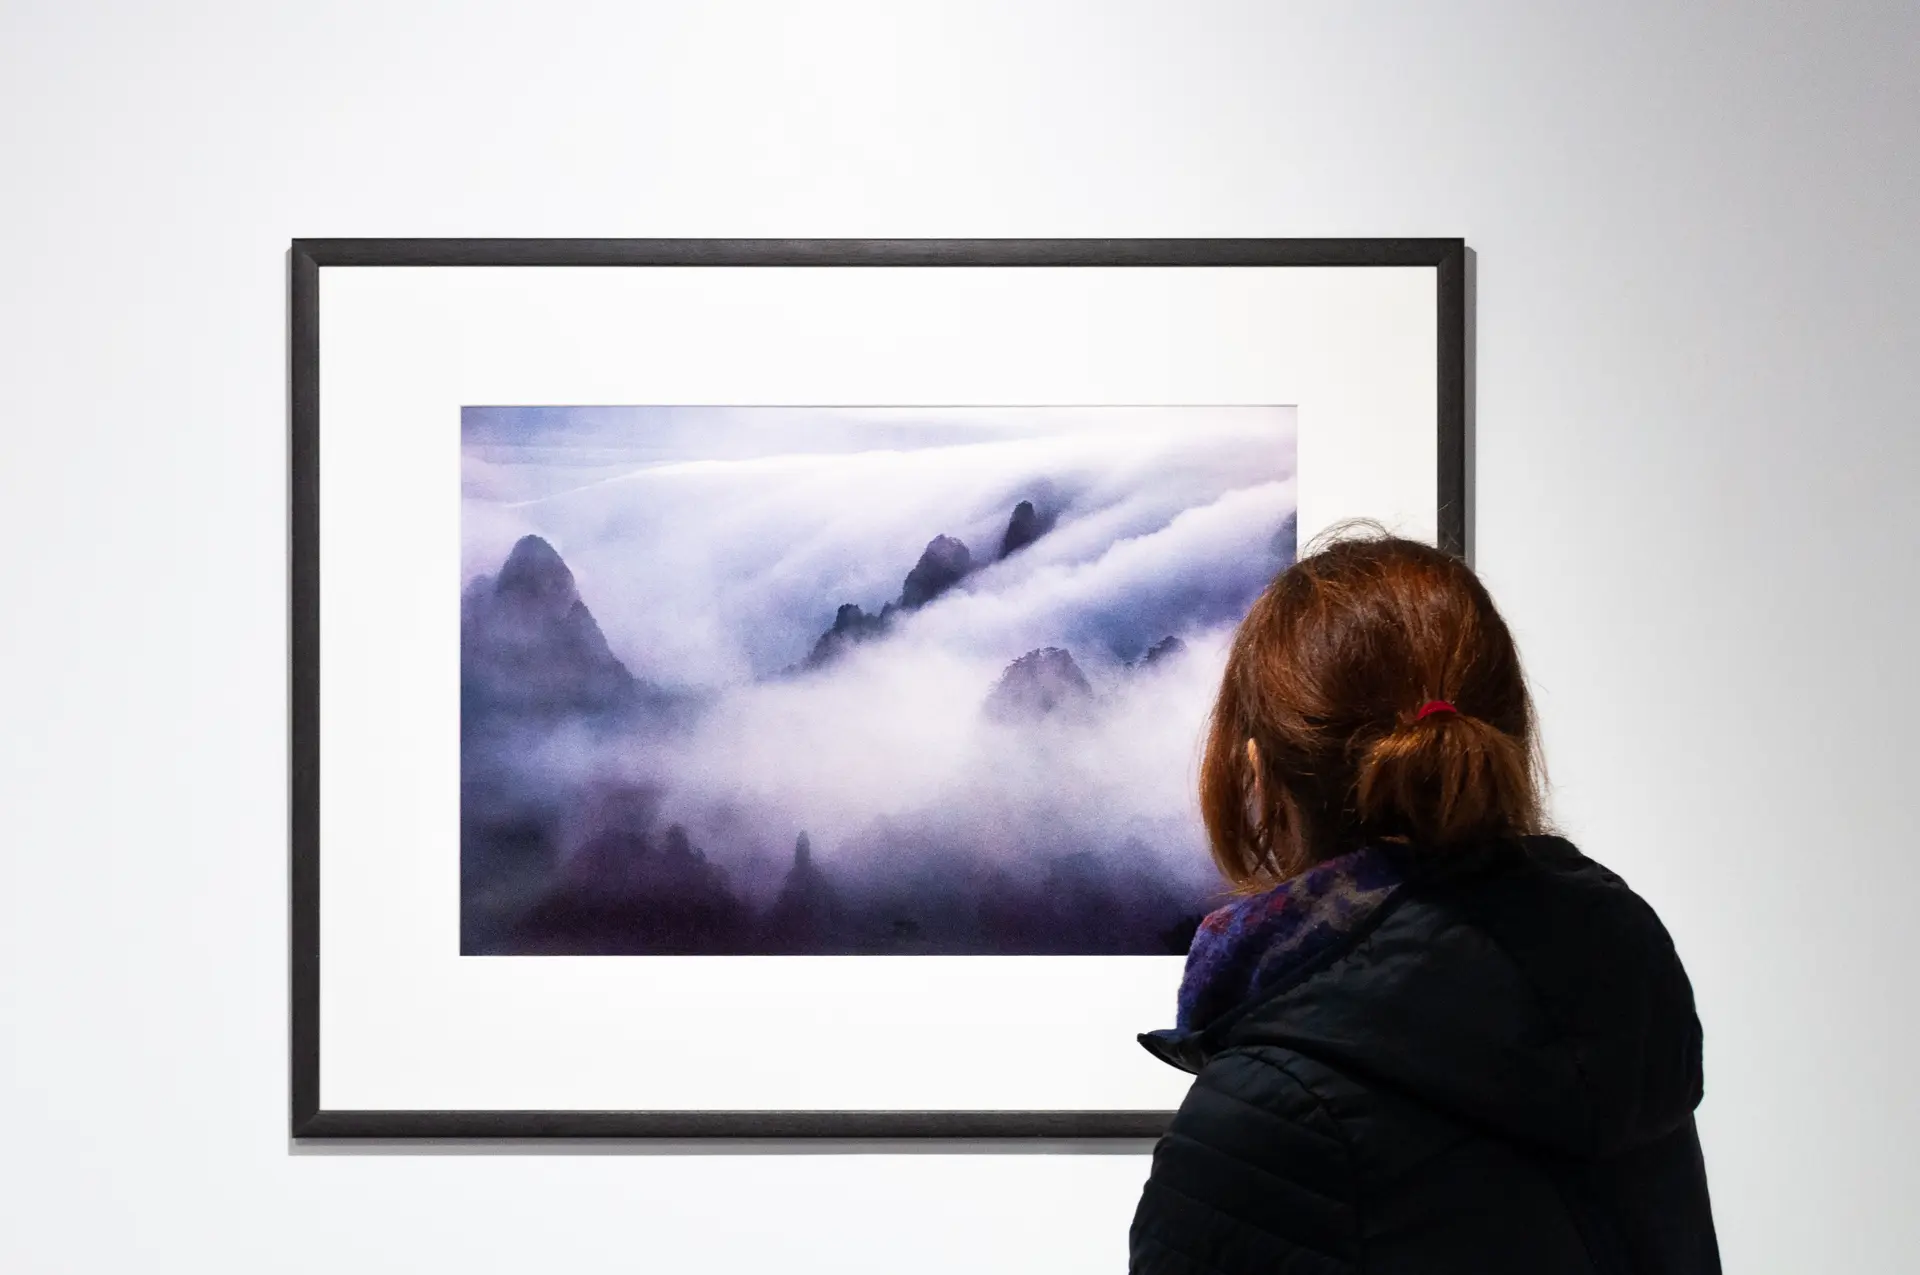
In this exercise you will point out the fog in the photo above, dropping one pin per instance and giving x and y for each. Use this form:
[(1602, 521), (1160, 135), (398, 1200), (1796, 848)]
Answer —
[(714, 547)]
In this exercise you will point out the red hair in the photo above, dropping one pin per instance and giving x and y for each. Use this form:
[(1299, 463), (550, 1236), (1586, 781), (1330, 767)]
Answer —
[(1328, 677)]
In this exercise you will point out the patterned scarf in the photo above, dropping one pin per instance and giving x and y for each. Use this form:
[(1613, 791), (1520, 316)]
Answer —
[(1251, 945)]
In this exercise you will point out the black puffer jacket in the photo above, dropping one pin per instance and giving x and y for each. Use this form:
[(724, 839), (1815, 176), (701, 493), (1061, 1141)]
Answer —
[(1495, 1074)]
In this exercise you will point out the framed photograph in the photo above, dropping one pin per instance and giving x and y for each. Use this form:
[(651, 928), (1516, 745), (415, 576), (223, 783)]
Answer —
[(754, 688)]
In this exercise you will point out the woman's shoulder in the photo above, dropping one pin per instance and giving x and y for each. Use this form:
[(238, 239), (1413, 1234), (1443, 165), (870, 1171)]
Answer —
[(1546, 898), (1543, 999)]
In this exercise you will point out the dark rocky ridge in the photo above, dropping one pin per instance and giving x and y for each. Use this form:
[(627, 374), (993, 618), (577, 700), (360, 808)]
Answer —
[(635, 889), (629, 891), (1026, 526), (944, 563), (807, 915), (530, 647), (532, 661), (851, 626)]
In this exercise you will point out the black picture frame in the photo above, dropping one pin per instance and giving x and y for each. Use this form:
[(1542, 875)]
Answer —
[(306, 258)]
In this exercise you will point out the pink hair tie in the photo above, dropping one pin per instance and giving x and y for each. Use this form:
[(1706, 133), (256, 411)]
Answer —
[(1434, 706)]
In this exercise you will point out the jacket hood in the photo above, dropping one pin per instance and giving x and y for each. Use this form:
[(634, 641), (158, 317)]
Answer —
[(1543, 1001)]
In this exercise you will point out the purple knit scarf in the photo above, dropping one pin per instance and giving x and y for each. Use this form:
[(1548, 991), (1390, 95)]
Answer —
[(1253, 944)]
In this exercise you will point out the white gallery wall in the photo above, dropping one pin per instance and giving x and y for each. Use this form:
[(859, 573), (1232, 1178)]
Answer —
[(1698, 282)]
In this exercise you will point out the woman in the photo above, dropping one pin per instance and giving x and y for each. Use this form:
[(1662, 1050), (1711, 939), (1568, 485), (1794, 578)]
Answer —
[(1427, 1038)]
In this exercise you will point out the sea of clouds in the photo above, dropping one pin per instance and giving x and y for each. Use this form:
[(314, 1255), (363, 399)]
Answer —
[(713, 546)]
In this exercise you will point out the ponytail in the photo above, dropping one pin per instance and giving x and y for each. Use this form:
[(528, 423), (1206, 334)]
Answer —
[(1444, 780)]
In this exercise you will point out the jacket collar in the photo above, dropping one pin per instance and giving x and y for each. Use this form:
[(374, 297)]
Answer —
[(1250, 948)]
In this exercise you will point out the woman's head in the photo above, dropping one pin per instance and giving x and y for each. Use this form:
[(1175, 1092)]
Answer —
[(1318, 743)]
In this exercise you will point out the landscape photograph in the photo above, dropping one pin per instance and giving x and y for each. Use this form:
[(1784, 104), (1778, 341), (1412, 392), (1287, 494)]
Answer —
[(792, 681)]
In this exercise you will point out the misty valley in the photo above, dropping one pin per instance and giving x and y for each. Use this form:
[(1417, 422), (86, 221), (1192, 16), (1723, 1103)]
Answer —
[(992, 754)]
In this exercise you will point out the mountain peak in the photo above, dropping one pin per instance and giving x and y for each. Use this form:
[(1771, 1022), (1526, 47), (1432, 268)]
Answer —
[(851, 625), (1023, 528), (1165, 649), (530, 646), (942, 564), (807, 915), (1040, 682), (534, 572)]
